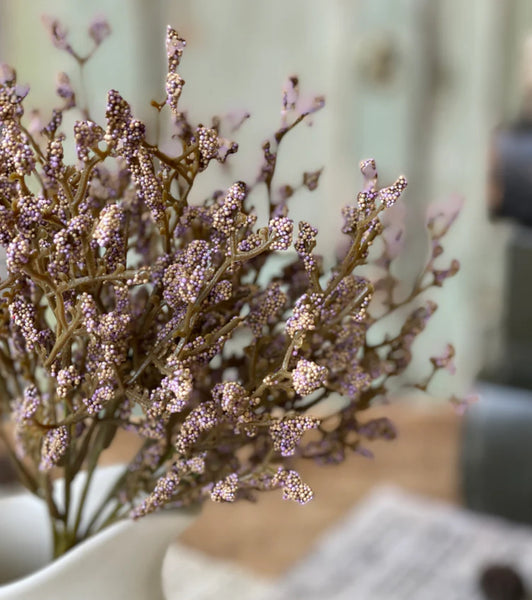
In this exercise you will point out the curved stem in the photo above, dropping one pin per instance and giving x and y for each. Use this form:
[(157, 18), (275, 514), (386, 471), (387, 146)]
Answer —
[(26, 478)]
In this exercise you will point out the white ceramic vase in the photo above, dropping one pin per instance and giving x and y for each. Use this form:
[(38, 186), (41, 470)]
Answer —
[(123, 561)]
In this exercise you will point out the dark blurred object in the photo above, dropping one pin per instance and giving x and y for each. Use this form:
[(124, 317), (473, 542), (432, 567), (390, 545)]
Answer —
[(516, 363), (496, 454), (510, 176), (500, 582), (510, 191), (7, 473), (510, 195)]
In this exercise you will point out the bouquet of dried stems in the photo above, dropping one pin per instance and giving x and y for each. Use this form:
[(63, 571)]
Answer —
[(125, 306)]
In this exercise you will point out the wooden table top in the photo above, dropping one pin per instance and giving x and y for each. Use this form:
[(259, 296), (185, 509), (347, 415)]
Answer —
[(269, 536)]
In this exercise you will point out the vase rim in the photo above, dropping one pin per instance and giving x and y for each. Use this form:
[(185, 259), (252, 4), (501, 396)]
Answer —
[(164, 522)]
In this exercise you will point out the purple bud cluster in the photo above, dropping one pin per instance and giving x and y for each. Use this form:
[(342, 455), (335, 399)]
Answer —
[(18, 253), (11, 96), (65, 90), (109, 234), (184, 280), (174, 86), (118, 116), (266, 308), (101, 396), (130, 303), (148, 186), (305, 314), (231, 397), (23, 315), (165, 488), (202, 419), (54, 167), (293, 487), (16, 153), (25, 409), (287, 433), (67, 379), (66, 245), (174, 48), (281, 230), (353, 381), (305, 244), (389, 196), (99, 30), (31, 212), (352, 295), (174, 83), (174, 391), (57, 32), (228, 216), (226, 489), (307, 377), (54, 445), (87, 136)]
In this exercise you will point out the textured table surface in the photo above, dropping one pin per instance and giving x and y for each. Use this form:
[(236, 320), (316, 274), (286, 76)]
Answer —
[(395, 545), (268, 537), (265, 540)]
